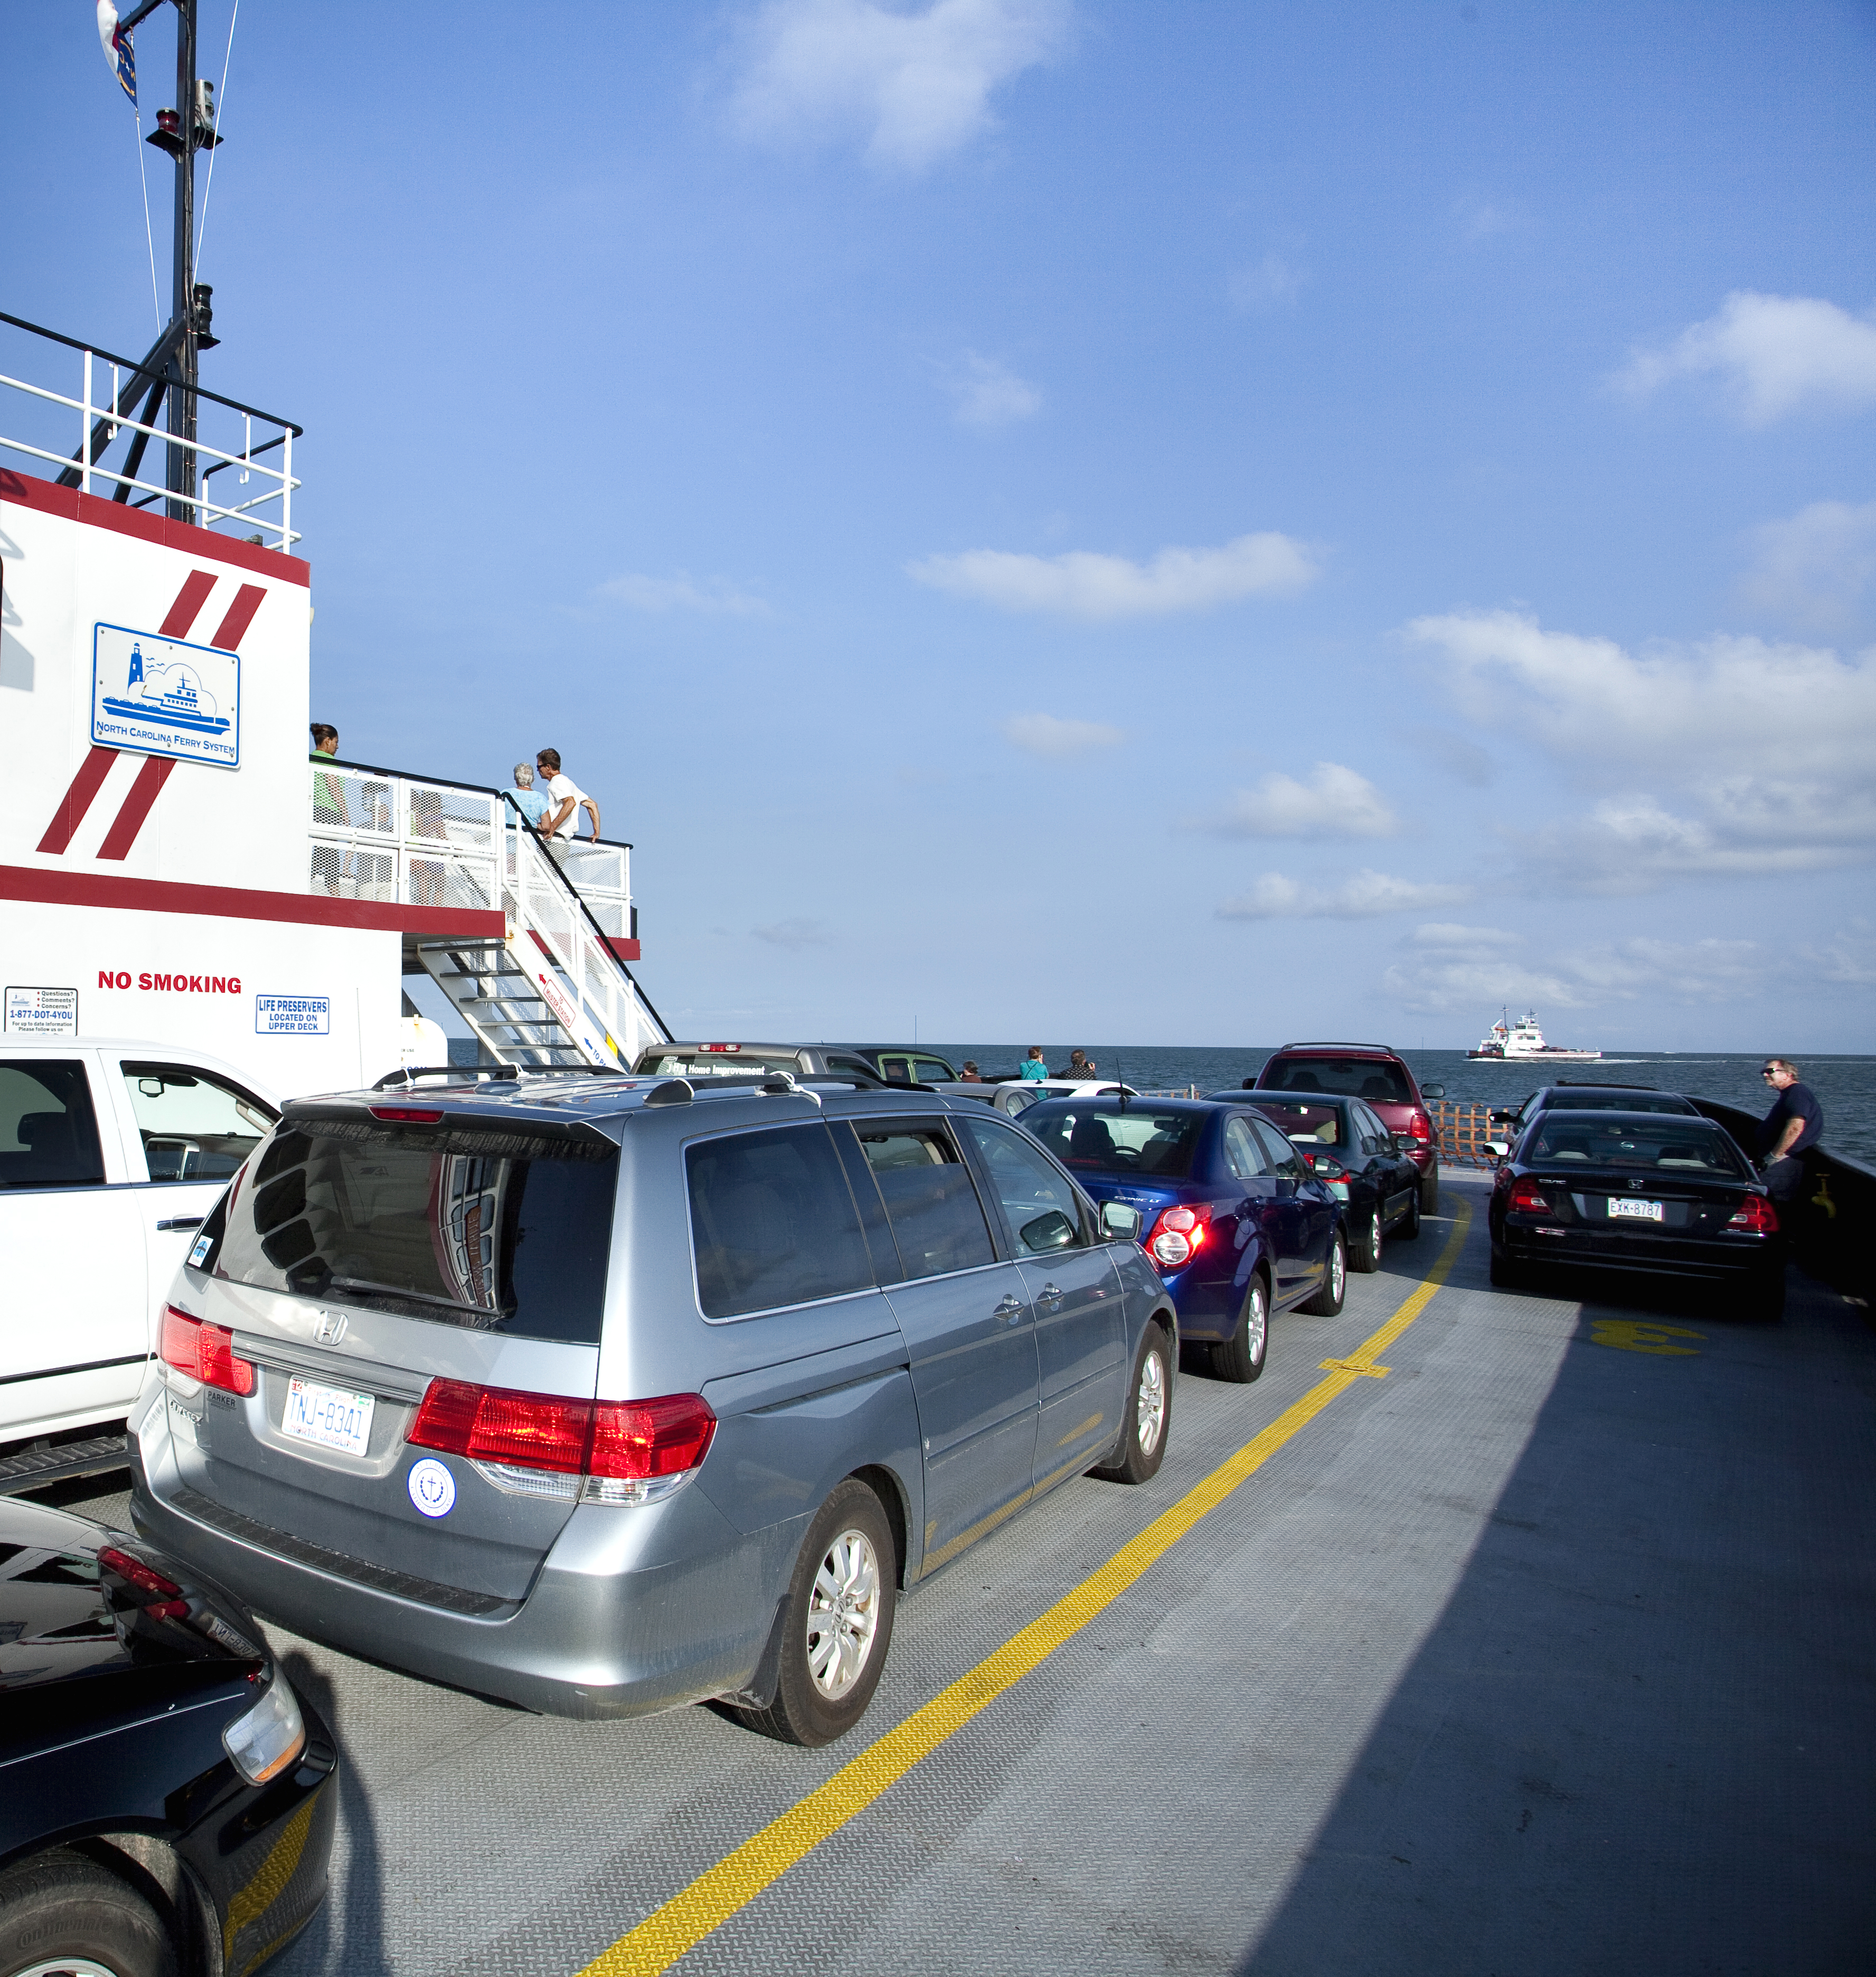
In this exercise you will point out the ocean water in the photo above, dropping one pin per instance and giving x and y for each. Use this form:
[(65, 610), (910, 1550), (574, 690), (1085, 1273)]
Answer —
[(1845, 1086)]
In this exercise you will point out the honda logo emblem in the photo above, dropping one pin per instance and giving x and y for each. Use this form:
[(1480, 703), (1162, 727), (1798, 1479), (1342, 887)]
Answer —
[(330, 1327)]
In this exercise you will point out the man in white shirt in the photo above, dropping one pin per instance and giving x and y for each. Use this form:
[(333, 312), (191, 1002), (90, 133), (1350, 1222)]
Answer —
[(565, 799)]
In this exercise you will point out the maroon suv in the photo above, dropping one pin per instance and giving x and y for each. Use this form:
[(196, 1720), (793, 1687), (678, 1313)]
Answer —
[(1377, 1076)]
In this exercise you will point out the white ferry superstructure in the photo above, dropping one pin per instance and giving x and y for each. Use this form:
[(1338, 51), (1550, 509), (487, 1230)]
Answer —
[(170, 871), (1522, 1041)]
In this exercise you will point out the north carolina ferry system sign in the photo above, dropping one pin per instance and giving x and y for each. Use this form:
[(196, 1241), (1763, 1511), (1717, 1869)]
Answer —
[(159, 696)]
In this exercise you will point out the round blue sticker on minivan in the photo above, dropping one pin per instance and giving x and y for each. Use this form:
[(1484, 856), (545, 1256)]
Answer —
[(433, 1488)]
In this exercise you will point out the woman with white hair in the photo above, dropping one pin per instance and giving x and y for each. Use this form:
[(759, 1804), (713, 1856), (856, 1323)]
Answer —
[(530, 802)]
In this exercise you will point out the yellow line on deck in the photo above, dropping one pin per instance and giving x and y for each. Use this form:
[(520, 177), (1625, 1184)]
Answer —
[(668, 1932)]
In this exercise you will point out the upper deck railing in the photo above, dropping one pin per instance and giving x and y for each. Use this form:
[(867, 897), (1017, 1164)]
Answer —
[(73, 429), (375, 834)]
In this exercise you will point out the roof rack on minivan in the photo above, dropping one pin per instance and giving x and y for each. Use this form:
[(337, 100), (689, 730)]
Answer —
[(1336, 1043), (409, 1073)]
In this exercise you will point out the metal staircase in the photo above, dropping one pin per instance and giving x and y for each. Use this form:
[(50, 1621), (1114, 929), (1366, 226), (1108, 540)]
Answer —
[(555, 988)]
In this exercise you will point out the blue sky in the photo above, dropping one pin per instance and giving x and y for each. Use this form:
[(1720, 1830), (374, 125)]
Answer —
[(1182, 523)]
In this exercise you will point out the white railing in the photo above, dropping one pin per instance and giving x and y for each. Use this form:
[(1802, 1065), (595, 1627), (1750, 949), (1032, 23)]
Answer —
[(236, 424), (402, 839)]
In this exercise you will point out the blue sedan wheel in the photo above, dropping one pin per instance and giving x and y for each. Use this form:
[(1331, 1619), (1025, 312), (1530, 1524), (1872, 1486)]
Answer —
[(1328, 1300), (1241, 1357)]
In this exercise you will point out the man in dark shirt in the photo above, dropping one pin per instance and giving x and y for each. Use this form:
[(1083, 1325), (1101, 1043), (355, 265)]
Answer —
[(1795, 1121)]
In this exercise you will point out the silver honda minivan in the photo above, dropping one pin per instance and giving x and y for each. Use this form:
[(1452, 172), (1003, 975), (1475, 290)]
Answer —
[(605, 1395)]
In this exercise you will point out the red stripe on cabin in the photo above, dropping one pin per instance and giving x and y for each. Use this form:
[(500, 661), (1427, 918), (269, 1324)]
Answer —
[(143, 792), (189, 603), (51, 885), (77, 801), (240, 616)]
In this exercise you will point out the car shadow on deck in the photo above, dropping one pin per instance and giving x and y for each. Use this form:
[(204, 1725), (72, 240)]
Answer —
[(1642, 1735)]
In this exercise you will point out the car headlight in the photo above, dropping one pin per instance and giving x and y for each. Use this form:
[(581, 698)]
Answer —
[(264, 1741)]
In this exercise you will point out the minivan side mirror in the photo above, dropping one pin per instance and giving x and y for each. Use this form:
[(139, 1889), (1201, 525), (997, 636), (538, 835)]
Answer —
[(1121, 1221), (1432, 1092), (1050, 1231)]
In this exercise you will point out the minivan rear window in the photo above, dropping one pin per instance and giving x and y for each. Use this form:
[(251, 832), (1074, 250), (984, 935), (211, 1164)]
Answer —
[(1373, 1079), (494, 1230), (773, 1222)]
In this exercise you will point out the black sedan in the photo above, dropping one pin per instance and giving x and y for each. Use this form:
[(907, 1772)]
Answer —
[(1350, 1147), (1564, 1096), (1654, 1192), (165, 1801)]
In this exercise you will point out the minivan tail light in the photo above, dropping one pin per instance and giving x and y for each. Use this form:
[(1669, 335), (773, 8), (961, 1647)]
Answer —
[(625, 1440), (407, 1115), (1419, 1125), (1757, 1214), (205, 1352)]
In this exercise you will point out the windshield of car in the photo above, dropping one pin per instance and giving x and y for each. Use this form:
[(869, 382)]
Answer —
[(704, 1063), (1607, 1101), (1679, 1146), (1138, 1141), (1373, 1079), (1316, 1124), (466, 1225)]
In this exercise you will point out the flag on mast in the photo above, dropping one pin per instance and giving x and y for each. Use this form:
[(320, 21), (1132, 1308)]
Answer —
[(118, 53)]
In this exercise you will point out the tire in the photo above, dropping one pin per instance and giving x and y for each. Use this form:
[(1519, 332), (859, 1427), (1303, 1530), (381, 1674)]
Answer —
[(1410, 1222), (826, 1673), (1505, 1274), (1147, 1414), (1241, 1357), (1365, 1254), (62, 1910), (1327, 1301), (1429, 1192)]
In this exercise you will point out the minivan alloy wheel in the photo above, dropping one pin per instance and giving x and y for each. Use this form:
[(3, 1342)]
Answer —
[(1150, 1411), (843, 1614)]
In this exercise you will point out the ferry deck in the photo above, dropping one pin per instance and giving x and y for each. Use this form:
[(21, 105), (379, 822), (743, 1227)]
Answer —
[(1488, 1632)]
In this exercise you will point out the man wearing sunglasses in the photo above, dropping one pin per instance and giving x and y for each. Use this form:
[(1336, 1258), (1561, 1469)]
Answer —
[(1795, 1121)]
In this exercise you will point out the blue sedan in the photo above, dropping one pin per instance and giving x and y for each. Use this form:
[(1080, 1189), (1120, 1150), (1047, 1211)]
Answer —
[(1231, 1215)]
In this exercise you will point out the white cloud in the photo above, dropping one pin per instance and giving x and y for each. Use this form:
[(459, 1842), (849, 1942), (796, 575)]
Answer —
[(1479, 218), (1848, 956), (1724, 703), (681, 592), (1052, 734), (988, 394), (1451, 968), (1773, 355), (1752, 758), (1812, 569), (793, 934), (1082, 584), (917, 82), (1336, 802), (1271, 284), (1365, 896)]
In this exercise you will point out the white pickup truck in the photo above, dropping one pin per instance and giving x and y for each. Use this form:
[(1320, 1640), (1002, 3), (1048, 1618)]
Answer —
[(111, 1154)]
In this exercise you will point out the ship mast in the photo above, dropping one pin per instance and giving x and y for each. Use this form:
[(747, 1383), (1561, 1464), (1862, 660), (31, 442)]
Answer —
[(172, 362)]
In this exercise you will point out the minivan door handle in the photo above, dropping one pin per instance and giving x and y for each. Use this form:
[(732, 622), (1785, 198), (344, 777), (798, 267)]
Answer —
[(1053, 1292), (1009, 1307)]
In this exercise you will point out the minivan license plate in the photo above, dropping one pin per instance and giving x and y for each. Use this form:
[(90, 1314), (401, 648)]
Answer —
[(1624, 1208), (330, 1416)]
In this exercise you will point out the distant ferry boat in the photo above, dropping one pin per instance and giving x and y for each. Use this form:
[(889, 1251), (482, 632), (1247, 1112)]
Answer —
[(1522, 1041)]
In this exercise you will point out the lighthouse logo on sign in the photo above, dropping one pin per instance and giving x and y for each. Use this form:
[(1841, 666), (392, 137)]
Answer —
[(158, 696)]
